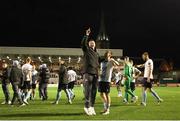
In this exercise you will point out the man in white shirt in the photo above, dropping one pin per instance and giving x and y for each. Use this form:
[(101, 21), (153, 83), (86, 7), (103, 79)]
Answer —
[(148, 78), (135, 74), (71, 76), (118, 76), (27, 79), (106, 69), (34, 81)]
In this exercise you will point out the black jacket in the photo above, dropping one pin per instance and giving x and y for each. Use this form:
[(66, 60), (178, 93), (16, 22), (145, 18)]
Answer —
[(44, 75), (63, 74), (5, 75), (90, 58), (16, 75)]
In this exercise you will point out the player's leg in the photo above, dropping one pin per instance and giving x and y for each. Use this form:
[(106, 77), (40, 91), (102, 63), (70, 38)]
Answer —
[(155, 95), (87, 93), (93, 93), (17, 95), (6, 92), (71, 93), (144, 96), (101, 90), (33, 91), (104, 100), (45, 91), (29, 88), (126, 91), (58, 96), (67, 93), (118, 85), (144, 91), (132, 86), (70, 89), (108, 104), (14, 94), (25, 92), (27, 96), (40, 93), (87, 89)]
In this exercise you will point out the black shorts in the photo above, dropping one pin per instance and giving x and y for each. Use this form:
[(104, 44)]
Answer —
[(132, 86), (27, 85), (104, 87), (33, 86), (147, 84), (71, 85), (62, 86)]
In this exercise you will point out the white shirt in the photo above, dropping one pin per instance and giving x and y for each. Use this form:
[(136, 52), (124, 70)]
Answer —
[(135, 71), (34, 72), (27, 72), (118, 76), (148, 68), (106, 71), (71, 75)]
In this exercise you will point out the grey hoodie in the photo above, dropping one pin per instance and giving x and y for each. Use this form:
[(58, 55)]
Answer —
[(90, 58)]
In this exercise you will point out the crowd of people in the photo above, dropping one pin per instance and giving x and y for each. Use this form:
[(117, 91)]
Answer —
[(93, 63), (24, 80), (98, 73)]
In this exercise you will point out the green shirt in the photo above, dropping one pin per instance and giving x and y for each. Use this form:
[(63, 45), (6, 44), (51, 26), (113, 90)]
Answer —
[(128, 72)]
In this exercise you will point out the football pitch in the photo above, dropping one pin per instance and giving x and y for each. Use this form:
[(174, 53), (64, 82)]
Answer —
[(44, 110)]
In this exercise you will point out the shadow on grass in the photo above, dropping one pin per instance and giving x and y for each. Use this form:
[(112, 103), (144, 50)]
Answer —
[(41, 114)]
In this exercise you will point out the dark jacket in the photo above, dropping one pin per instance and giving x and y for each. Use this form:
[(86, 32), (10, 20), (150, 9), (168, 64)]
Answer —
[(90, 58), (16, 75), (63, 74), (44, 75), (5, 75)]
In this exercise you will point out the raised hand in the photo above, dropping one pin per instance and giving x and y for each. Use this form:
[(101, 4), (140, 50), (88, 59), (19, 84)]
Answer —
[(88, 31)]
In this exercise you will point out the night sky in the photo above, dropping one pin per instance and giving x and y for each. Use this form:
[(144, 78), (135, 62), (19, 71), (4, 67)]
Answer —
[(136, 24)]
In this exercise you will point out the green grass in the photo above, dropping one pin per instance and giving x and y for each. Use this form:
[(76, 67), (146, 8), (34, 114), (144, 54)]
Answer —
[(38, 110)]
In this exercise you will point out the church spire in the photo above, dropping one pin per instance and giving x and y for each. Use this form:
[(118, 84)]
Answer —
[(102, 38)]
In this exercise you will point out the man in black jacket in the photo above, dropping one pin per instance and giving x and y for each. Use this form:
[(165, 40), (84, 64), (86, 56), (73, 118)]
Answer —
[(90, 72), (16, 77), (44, 80), (5, 83), (63, 83)]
